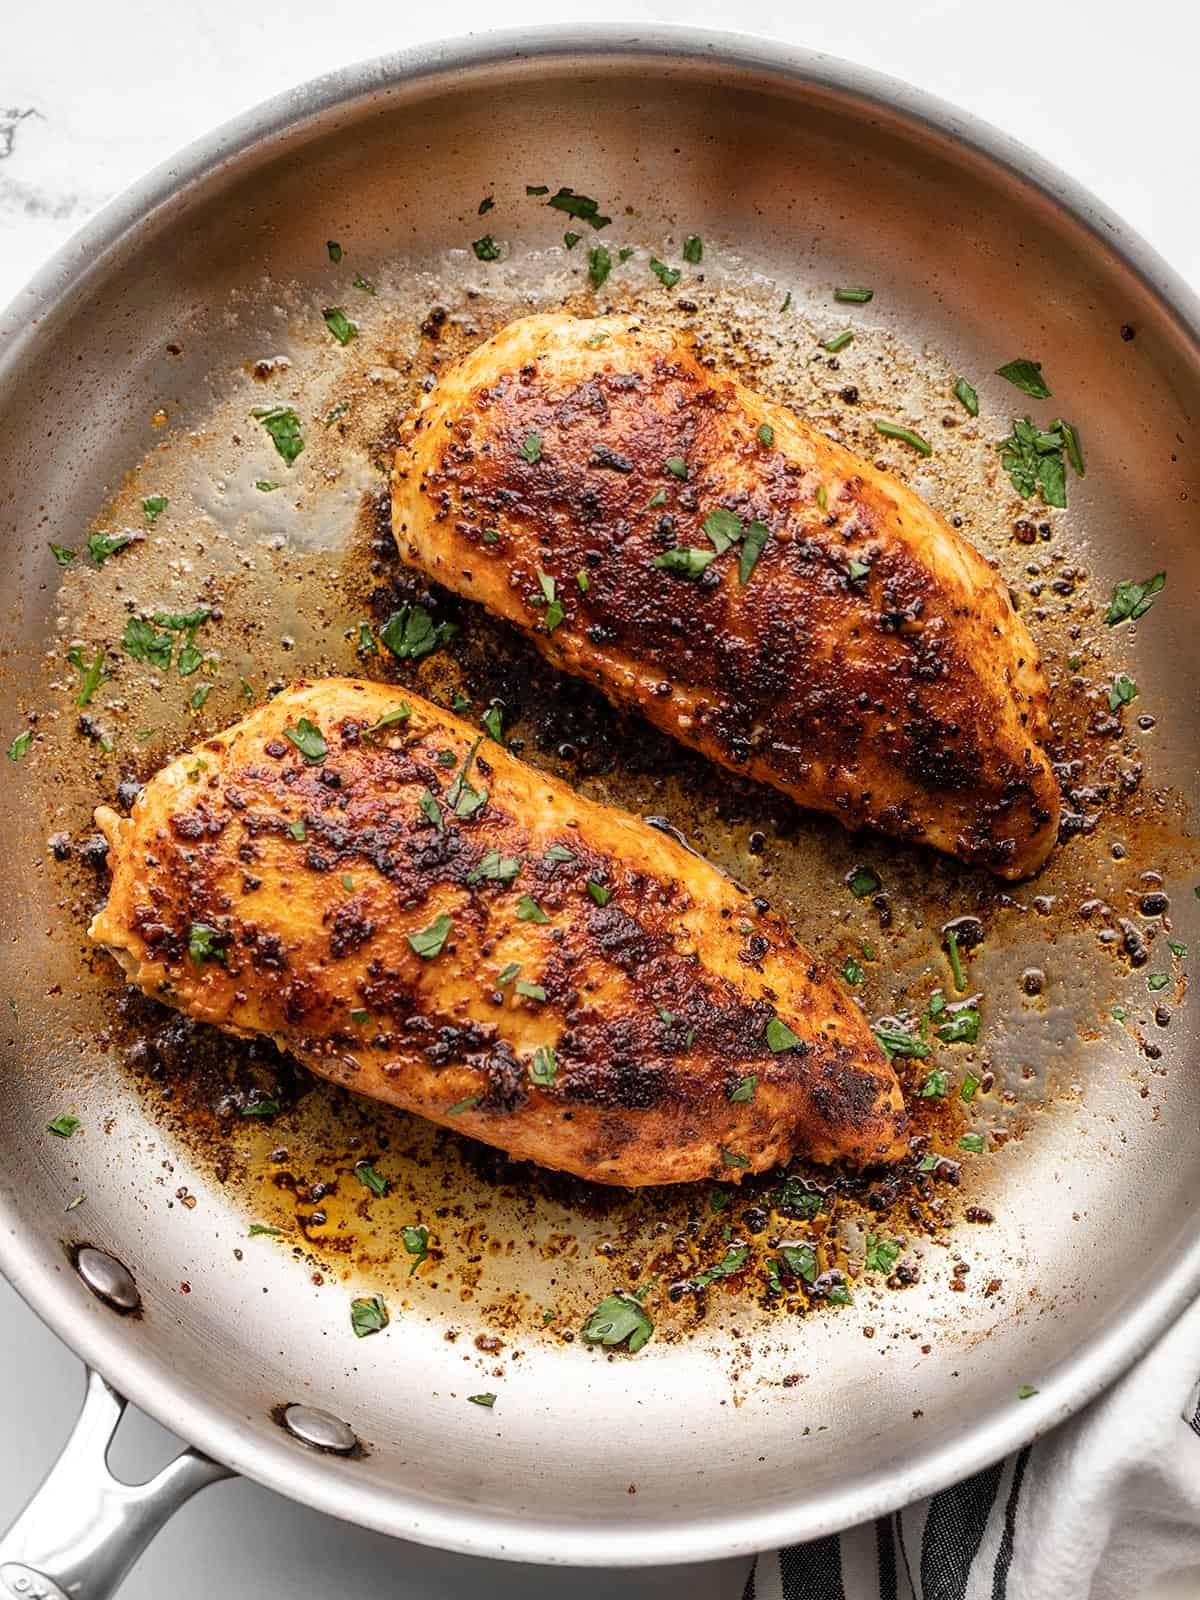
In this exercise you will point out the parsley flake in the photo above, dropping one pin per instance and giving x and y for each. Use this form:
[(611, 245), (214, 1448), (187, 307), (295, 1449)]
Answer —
[(204, 943), (1025, 375), (766, 435), (619, 1319), (486, 249), (1033, 459), (580, 206), (103, 545), (667, 276), (154, 505), (528, 910), (684, 561), (858, 297), (693, 249), (599, 892), (411, 633), (862, 881), (19, 745), (339, 324), (488, 1400), (599, 266), (744, 1090), (370, 1178), (416, 1241), (838, 341), (893, 430), (283, 425), (62, 555), (780, 1037), (309, 740), (966, 396), (531, 448), (543, 1069), (428, 942), (63, 1126), (93, 672), (368, 1316), (1132, 600), (881, 1254)]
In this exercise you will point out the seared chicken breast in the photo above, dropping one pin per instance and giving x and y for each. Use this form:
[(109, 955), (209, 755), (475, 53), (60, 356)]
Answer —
[(752, 587), (414, 913)]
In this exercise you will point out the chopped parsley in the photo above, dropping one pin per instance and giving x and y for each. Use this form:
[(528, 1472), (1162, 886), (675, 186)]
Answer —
[(1132, 600), (733, 1259), (693, 249), (667, 276), (858, 297), (795, 1199), (428, 942), (780, 1037), (582, 579), (493, 721), (339, 324), (580, 206), (154, 505), (416, 1242), (571, 240), (364, 284), (335, 250), (62, 555), (893, 430), (537, 188), (462, 798), (199, 695), (595, 340), (676, 466), (266, 1107), (935, 1085), (366, 645), (486, 204), (488, 1400), (543, 1069), (257, 1228), (63, 1126), (857, 570), (309, 740), (961, 1027), (619, 1319), (852, 972), (531, 448), (103, 545), (881, 1254), (93, 672), (753, 545), (370, 1178), (733, 1158), (507, 973), (19, 745), (265, 485), (766, 435), (411, 633), (486, 249), (400, 714), (368, 1316), (966, 396), (744, 1090), (559, 852), (723, 529), (599, 266), (684, 561), (283, 425), (359, 1017), (787, 300), (895, 1040), (528, 910), (471, 1101), (1025, 375), (1033, 459), (838, 341), (1177, 949), (495, 868), (972, 1142), (1156, 981), (1071, 444), (862, 881), (204, 943), (822, 497), (531, 991), (600, 892), (800, 1261), (970, 1087), (1026, 1391)]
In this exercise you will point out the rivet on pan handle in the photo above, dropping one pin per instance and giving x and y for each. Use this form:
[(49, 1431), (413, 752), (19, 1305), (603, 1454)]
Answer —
[(84, 1529)]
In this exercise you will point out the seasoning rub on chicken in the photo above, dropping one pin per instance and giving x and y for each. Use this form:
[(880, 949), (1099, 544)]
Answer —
[(414, 913), (752, 587)]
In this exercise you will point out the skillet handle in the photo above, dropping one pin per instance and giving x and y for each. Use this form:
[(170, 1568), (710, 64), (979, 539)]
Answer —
[(83, 1530)]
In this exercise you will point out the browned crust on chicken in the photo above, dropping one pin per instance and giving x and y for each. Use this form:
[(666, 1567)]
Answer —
[(871, 666), (656, 1002)]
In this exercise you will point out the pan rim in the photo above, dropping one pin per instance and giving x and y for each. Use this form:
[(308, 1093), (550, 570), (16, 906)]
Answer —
[(277, 1463)]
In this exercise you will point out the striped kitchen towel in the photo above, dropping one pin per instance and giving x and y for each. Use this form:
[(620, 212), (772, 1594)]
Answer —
[(1107, 1507)]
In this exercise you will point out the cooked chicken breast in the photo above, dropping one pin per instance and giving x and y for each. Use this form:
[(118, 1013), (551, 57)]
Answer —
[(418, 915), (751, 586)]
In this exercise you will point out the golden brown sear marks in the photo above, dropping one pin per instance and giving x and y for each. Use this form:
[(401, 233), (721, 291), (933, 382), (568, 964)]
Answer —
[(413, 912), (825, 631)]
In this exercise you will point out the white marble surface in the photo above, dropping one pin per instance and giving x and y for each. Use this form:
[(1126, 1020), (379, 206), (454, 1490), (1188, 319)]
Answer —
[(91, 96)]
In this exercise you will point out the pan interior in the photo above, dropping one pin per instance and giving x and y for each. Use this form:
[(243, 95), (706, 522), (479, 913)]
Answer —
[(740, 1422)]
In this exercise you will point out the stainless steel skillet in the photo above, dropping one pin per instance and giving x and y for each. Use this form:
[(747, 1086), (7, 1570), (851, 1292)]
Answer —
[(808, 173)]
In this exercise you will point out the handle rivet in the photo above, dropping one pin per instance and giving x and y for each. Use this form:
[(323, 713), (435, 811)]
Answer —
[(108, 1279), (320, 1429)]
